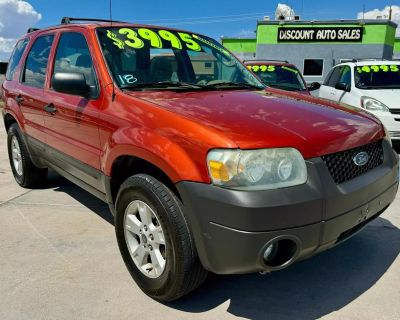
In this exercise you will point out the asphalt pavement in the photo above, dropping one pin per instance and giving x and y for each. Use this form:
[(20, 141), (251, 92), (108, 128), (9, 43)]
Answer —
[(59, 260)]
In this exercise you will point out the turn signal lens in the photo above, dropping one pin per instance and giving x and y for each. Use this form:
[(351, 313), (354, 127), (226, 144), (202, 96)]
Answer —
[(218, 171)]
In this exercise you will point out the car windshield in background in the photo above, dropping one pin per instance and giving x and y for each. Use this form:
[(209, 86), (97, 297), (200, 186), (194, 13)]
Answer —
[(377, 76), (282, 77), (152, 58)]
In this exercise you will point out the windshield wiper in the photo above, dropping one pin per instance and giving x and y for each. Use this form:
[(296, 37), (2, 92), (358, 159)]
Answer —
[(161, 84), (231, 84), (283, 87)]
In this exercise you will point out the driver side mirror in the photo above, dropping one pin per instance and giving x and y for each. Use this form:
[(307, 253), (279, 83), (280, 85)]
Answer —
[(72, 83), (342, 86), (314, 86)]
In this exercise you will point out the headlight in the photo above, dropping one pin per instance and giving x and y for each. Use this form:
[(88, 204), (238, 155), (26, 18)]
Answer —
[(256, 169), (372, 104)]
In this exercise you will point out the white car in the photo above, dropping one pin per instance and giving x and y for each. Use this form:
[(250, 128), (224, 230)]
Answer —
[(370, 84)]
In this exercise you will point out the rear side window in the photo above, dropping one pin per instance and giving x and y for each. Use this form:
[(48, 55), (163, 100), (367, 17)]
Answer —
[(73, 56), (36, 62), (326, 81), (16, 57), (334, 78)]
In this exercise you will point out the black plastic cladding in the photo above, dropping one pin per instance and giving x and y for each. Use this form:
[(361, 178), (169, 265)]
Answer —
[(342, 167)]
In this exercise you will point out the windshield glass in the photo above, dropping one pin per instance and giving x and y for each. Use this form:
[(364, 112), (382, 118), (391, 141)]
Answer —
[(282, 77), (154, 58), (377, 76)]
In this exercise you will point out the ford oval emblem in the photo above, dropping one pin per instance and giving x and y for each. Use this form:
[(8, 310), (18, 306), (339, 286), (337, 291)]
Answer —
[(361, 158)]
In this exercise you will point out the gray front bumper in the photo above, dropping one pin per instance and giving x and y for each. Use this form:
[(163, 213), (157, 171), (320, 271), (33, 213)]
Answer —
[(231, 227)]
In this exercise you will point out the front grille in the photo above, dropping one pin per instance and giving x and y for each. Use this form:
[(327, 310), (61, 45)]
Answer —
[(341, 165), (394, 111)]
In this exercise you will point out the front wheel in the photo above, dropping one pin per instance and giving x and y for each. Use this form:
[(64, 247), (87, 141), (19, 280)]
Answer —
[(155, 241)]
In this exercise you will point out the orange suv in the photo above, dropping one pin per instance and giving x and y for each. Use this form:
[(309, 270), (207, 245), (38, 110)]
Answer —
[(202, 167)]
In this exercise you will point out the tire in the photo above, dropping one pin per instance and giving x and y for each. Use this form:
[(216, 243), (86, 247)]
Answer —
[(182, 272), (26, 173)]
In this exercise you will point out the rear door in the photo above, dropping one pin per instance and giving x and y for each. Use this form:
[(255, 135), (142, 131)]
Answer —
[(29, 92), (327, 90), (71, 120)]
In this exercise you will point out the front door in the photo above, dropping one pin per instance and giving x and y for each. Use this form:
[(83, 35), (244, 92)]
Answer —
[(71, 120)]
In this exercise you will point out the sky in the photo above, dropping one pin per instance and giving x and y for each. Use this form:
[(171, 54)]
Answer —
[(214, 18)]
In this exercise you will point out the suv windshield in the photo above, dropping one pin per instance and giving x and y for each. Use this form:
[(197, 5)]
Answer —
[(282, 77), (154, 58), (377, 76)]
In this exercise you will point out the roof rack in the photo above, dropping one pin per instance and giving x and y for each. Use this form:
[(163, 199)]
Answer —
[(266, 60), (67, 20), (32, 30)]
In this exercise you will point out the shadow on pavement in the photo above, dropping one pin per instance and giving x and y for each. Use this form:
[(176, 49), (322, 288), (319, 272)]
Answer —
[(309, 289), (60, 184)]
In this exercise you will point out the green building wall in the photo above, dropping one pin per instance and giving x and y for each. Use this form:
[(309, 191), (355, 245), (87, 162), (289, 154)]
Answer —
[(373, 33), (396, 48), (242, 48)]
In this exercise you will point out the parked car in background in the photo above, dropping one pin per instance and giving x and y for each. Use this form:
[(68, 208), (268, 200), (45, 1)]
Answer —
[(373, 85), (281, 75), (203, 169)]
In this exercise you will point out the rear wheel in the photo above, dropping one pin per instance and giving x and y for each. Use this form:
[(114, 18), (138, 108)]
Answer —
[(25, 172), (155, 241)]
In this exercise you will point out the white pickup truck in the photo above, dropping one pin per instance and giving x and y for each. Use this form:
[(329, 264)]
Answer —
[(373, 85)]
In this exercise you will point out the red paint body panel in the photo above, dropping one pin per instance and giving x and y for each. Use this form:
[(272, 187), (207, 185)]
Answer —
[(175, 130), (261, 119)]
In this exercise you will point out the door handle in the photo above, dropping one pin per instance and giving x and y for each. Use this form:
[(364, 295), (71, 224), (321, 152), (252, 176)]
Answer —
[(19, 99), (50, 108)]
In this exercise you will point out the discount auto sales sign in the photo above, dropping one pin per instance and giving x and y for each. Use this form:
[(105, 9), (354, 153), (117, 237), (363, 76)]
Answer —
[(345, 34)]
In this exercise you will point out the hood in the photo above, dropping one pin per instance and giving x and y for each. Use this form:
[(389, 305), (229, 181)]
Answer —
[(390, 97), (262, 119)]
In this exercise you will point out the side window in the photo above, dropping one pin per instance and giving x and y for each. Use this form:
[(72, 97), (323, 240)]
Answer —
[(73, 56), (345, 77), (326, 81), (36, 63), (334, 77), (16, 57)]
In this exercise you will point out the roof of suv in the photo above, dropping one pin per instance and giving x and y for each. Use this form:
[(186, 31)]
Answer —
[(269, 62), (96, 23)]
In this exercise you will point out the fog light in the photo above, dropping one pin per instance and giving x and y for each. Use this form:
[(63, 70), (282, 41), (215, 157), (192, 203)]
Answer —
[(280, 252), (269, 251)]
